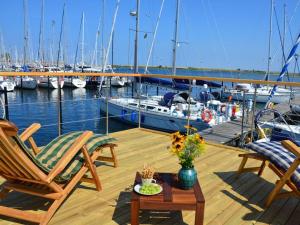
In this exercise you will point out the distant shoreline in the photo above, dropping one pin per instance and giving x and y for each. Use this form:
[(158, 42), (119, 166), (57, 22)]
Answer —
[(240, 71)]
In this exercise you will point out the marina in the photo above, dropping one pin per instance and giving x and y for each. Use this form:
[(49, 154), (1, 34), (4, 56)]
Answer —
[(150, 112)]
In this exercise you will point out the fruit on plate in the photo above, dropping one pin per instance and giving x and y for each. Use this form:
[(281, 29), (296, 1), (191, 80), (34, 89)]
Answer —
[(150, 189)]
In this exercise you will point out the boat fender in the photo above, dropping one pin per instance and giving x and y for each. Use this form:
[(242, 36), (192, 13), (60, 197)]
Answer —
[(206, 116), (133, 116), (223, 109), (123, 114)]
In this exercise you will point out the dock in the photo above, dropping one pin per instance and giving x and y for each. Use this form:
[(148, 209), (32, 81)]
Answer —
[(230, 132), (229, 199)]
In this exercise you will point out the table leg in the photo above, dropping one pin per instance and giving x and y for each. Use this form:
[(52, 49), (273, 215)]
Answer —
[(135, 212), (199, 214)]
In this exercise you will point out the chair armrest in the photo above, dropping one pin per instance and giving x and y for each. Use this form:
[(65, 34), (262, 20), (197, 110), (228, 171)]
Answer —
[(68, 156), (27, 135), (292, 147), (29, 131)]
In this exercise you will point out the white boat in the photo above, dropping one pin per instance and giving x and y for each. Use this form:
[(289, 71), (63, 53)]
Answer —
[(262, 93), (74, 82), (118, 81), (153, 115), (26, 83), (52, 83), (169, 112), (6, 83)]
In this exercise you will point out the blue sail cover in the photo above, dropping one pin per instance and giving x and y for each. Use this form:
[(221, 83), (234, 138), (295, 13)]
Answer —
[(164, 82), (199, 82), (284, 69), (25, 68)]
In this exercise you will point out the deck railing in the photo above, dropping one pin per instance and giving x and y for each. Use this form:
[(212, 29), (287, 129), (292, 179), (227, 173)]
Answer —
[(190, 78)]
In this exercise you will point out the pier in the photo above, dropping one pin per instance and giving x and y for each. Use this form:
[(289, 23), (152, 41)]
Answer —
[(230, 132)]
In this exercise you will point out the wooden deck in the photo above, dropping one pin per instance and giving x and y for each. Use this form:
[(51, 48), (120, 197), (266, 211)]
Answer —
[(228, 200)]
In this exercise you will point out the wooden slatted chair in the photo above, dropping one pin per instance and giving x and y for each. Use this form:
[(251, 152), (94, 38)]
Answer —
[(51, 172), (283, 159)]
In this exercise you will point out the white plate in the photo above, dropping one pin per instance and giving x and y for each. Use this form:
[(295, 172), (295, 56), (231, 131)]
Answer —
[(138, 187)]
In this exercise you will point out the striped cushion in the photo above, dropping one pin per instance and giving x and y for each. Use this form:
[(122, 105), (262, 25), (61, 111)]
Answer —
[(278, 155), (54, 151)]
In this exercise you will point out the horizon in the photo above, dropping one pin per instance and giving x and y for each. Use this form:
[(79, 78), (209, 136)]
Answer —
[(231, 35)]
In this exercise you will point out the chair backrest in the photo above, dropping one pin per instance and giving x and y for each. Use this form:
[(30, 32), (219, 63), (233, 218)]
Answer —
[(14, 162)]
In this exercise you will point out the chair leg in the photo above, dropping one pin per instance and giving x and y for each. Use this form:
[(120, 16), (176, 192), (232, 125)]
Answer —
[(262, 167), (242, 165), (92, 168), (274, 192), (114, 156)]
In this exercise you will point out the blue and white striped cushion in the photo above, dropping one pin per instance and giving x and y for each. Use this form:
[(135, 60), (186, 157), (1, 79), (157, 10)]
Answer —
[(278, 155)]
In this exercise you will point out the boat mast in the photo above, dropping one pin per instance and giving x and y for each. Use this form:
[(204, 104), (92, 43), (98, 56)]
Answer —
[(154, 36), (284, 32), (102, 40), (78, 42), (82, 43), (175, 38), (41, 37), (270, 40), (137, 22), (25, 55), (52, 43)]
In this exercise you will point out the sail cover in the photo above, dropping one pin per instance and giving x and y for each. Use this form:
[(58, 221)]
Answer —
[(284, 69)]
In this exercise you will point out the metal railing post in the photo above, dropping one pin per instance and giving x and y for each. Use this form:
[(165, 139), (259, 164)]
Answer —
[(6, 104), (189, 107), (107, 128), (243, 116), (139, 93), (59, 107), (253, 113)]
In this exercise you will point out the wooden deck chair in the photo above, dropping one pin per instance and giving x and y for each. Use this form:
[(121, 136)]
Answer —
[(283, 159), (51, 172)]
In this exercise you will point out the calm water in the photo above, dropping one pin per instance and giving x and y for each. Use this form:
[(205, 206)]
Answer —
[(80, 107)]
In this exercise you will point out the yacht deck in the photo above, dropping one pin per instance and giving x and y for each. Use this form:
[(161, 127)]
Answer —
[(228, 200)]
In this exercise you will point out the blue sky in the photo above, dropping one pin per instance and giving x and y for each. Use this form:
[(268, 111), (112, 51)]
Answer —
[(218, 34)]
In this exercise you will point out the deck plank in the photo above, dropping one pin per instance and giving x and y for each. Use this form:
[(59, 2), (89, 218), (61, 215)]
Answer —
[(229, 199)]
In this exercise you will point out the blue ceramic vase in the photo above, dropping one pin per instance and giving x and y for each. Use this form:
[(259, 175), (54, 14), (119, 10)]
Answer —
[(187, 178)]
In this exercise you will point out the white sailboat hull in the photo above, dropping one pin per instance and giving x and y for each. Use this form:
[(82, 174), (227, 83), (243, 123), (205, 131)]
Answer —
[(53, 84), (260, 97), (74, 83), (9, 85), (118, 81), (153, 120)]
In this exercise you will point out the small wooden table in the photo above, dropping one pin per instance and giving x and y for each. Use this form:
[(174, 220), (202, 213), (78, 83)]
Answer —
[(171, 198)]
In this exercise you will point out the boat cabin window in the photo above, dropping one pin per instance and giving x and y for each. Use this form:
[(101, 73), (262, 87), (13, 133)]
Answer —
[(165, 110), (143, 106), (159, 109), (133, 104), (150, 107)]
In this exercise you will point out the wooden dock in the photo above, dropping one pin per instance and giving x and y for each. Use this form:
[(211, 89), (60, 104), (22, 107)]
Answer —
[(230, 199), (230, 132)]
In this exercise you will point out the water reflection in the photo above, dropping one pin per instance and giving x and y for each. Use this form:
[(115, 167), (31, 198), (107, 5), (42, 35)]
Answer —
[(80, 111)]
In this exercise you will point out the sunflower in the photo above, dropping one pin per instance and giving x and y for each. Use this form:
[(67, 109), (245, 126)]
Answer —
[(175, 135)]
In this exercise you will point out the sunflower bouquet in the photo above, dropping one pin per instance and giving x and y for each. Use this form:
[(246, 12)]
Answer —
[(187, 146)]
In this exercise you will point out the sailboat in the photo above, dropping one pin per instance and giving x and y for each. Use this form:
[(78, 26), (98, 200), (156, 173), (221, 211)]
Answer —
[(6, 84), (25, 82), (262, 93), (170, 112), (50, 82), (78, 82)]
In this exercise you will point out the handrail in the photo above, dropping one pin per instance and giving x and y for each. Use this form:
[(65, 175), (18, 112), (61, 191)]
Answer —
[(206, 78)]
